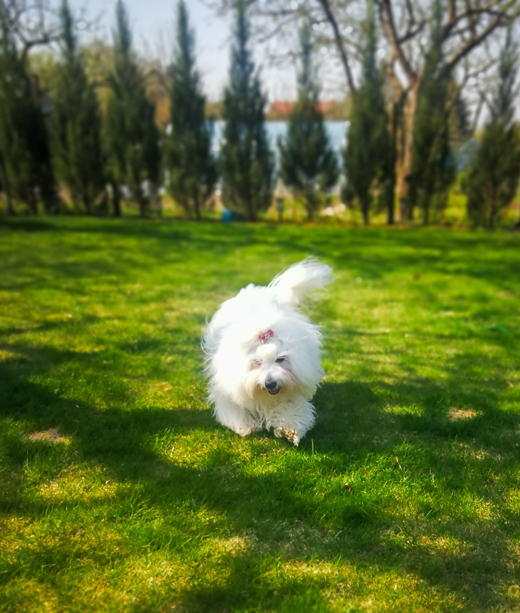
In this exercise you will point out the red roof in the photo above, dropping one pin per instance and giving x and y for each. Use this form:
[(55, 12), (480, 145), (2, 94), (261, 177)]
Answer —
[(282, 107), (285, 107)]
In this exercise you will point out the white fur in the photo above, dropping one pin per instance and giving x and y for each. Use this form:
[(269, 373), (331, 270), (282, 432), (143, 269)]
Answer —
[(240, 366)]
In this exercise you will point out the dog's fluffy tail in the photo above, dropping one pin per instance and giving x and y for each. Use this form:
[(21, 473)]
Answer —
[(298, 281)]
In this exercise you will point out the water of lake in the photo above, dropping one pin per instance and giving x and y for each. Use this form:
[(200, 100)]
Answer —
[(336, 129)]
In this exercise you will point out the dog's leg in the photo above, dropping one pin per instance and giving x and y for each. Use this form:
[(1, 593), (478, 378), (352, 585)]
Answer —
[(234, 417), (292, 419)]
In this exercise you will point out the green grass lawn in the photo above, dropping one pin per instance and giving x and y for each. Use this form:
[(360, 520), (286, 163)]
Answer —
[(119, 491)]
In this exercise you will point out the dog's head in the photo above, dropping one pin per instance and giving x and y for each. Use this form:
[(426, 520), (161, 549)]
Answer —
[(285, 360), (268, 361), (270, 370)]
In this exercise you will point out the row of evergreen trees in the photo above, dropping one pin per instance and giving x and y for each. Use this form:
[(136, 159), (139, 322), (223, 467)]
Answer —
[(87, 151), (492, 179), (26, 171), (81, 149), (246, 165), (75, 146)]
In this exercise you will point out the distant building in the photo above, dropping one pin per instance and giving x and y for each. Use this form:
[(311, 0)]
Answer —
[(282, 109), (326, 107)]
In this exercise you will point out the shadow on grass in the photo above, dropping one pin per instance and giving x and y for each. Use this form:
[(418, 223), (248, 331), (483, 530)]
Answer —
[(370, 253), (357, 425)]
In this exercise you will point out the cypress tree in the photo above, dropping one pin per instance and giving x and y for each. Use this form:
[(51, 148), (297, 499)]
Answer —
[(433, 166), (6, 188), (494, 174), (308, 162), (27, 173), (369, 154), (76, 122), (246, 161), (132, 139), (191, 167)]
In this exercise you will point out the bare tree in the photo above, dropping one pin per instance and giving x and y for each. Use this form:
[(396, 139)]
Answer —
[(36, 23), (467, 28), (469, 32)]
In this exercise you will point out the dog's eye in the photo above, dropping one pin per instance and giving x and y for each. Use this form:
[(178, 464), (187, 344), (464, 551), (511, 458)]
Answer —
[(255, 363), (280, 360)]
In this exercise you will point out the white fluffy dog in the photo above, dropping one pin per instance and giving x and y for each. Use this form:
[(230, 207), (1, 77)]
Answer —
[(263, 355)]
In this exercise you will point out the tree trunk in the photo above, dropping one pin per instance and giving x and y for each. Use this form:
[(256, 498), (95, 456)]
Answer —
[(310, 206), (404, 167), (32, 202), (390, 185), (116, 199), (251, 212), (390, 219), (196, 206), (390, 215), (364, 210), (426, 214), (492, 215), (139, 195), (389, 191), (142, 207), (7, 188), (87, 204)]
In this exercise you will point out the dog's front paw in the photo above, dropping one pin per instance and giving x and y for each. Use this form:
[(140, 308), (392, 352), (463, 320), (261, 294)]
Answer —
[(292, 435), (289, 433), (243, 431)]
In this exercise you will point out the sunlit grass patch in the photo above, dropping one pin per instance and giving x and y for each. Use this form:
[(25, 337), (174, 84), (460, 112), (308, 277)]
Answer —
[(121, 493)]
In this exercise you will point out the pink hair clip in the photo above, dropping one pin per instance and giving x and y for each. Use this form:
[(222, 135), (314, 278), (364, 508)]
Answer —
[(264, 337)]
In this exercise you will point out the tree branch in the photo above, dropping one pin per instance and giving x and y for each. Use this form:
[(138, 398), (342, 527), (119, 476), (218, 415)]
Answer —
[(470, 14), (411, 14), (452, 11), (278, 29), (389, 23), (44, 40), (473, 42), (471, 18), (339, 42), (34, 23), (474, 123), (411, 33)]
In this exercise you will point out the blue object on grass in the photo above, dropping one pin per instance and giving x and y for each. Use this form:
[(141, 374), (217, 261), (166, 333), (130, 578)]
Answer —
[(229, 216)]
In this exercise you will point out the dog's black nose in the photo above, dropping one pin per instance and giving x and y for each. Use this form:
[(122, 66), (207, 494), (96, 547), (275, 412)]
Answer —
[(270, 385)]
